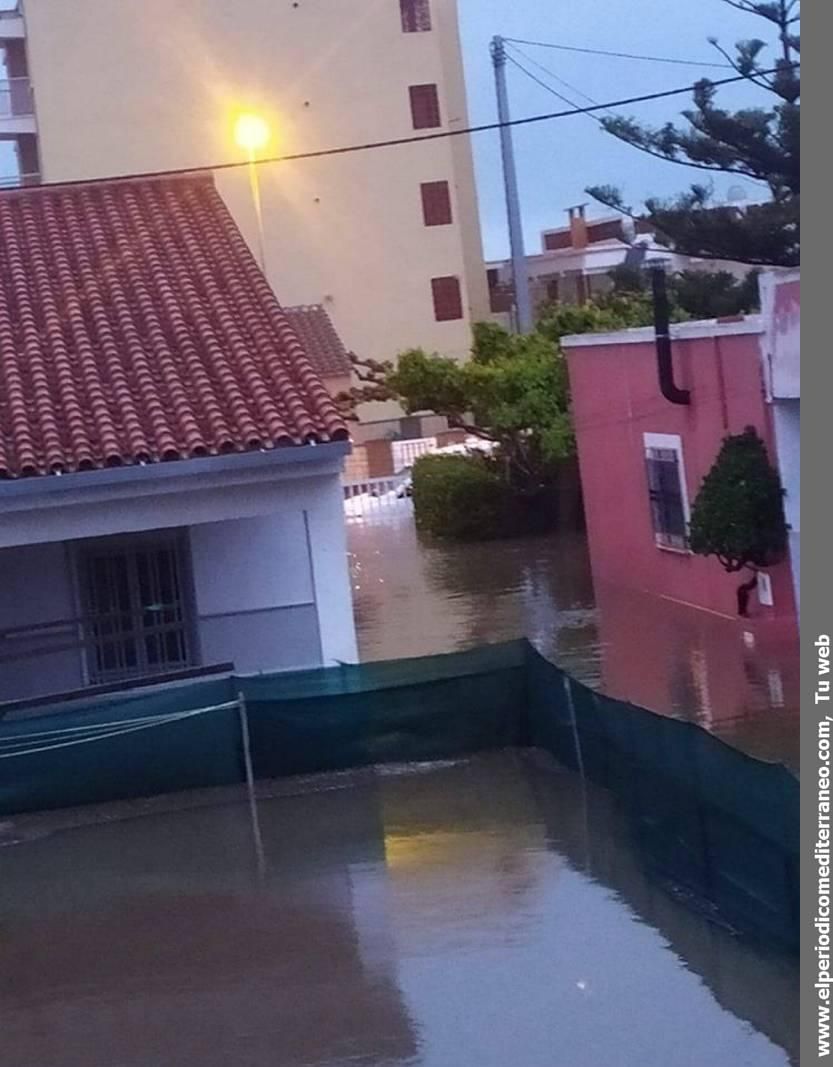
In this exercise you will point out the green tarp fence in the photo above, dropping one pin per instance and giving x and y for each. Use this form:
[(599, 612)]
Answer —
[(721, 824)]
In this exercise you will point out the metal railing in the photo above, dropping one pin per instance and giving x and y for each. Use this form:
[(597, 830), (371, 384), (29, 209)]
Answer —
[(17, 181), (370, 496), (16, 98)]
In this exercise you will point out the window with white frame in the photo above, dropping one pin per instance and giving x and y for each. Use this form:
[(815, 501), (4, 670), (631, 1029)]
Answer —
[(135, 609), (667, 490)]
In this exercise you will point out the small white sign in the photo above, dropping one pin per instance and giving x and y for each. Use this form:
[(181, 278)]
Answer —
[(765, 590)]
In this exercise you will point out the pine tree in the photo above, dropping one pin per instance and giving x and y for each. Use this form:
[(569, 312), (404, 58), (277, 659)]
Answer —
[(758, 143)]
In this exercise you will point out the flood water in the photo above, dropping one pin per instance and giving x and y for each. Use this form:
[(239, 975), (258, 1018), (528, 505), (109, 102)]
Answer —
[(486, 913), (414, 597)]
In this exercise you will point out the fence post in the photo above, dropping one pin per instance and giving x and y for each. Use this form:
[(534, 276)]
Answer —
[(250, 781)]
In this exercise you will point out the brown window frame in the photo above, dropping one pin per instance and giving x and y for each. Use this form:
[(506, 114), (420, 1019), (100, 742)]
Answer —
[(436, 203), (425, 106), (447, 295), (416, 16)]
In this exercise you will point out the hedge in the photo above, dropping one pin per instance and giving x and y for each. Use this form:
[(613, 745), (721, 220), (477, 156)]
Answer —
[(465, 498)]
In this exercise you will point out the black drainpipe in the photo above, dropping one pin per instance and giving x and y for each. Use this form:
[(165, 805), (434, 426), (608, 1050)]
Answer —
[(662, 328)]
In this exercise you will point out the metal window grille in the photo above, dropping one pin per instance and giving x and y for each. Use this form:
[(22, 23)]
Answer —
[(135, 619), (425, 106), (436, 203), (665, 490), (416, 15), (448, 300)]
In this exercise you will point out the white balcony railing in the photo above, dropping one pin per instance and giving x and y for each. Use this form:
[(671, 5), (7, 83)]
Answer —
[(17, 181), (16, 99)]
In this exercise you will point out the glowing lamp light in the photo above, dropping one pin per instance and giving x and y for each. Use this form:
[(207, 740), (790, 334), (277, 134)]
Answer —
[(251, 133)]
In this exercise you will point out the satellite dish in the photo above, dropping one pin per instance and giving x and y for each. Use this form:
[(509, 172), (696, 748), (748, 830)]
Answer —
[(628, 230)]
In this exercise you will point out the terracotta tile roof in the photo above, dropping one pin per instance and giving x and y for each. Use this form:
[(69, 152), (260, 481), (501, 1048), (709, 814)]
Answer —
[(317, 334), (135, 326)]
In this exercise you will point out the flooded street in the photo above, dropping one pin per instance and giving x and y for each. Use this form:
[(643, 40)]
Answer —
[(477, 914), (413, 597)]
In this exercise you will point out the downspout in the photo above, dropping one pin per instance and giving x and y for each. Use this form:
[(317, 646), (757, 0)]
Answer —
[(665, 367)]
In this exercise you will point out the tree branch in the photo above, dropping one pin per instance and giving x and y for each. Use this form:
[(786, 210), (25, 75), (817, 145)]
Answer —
[(751, 75)]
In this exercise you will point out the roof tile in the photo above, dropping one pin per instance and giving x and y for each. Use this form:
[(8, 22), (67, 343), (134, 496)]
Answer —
[(317, 334), (136, 327)]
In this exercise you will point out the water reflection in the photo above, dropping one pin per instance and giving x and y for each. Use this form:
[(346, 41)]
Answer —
[(486, 913), (414, 597)]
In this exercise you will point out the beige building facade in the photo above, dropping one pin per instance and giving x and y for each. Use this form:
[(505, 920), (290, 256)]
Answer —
[(386, 240)]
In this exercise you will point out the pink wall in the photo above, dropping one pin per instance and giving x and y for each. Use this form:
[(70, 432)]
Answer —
[(616, 399), (738, 678)]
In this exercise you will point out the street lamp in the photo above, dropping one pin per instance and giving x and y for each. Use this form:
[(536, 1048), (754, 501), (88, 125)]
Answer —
[(252, 134)]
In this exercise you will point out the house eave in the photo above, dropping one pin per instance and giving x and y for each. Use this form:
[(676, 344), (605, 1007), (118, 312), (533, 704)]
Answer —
[(301, 459)]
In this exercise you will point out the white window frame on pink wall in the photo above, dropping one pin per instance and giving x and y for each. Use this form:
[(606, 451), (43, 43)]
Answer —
[(671, 442)]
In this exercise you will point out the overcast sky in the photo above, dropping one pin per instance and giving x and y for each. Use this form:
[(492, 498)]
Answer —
[(558, 160)]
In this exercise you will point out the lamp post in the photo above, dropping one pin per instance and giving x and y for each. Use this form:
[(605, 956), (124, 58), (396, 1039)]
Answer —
[(251, 133)]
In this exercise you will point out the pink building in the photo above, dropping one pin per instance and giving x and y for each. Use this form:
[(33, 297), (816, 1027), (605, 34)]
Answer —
[(643, 458)]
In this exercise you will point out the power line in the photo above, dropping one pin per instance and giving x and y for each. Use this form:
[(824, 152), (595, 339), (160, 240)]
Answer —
[(554, 76), (549, 88), (619, 55), (590, 112), (394, 142)]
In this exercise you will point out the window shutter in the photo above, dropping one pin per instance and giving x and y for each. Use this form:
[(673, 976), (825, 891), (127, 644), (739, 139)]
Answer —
[(448, 300), (425, 106), (436, 203), (416, 15)]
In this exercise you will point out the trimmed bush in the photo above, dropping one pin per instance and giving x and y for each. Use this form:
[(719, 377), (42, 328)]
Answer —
[(738, 515), (466, 498)]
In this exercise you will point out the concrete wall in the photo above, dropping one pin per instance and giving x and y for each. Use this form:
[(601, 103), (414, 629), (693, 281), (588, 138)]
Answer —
[(781, 341), (132, 87), (270, 568), (254, 593), (616, 400), (787, 421), (36, 587)]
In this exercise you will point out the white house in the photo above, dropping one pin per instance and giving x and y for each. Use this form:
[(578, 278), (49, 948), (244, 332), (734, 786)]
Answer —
[(170, 461), (781, 354)]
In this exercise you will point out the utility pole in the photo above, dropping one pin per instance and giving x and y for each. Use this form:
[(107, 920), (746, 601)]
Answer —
[(520, 277)]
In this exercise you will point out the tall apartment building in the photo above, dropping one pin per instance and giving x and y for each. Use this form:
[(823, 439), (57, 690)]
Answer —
[(387, 240)]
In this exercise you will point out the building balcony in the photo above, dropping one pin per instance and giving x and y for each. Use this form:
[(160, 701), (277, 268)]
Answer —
[(11, 24), (18, 181), (17, 107)]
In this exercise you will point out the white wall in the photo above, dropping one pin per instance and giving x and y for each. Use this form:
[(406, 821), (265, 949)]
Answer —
[(270, 568), (787, 421), (254, 593), (273, 591)]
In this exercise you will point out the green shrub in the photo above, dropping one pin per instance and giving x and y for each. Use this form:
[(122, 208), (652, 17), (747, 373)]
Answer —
[(738, 515), (466, 498)]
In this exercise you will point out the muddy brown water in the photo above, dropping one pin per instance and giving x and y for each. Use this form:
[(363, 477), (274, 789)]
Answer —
[(484, 913), (416, 597)]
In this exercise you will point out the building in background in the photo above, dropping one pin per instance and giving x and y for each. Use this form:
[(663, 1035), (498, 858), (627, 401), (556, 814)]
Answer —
[(781, 353), (575, 262), (170, 462), (642, 458), (387, 241)]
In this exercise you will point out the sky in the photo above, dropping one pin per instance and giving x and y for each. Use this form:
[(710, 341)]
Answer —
[(556, 161)]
